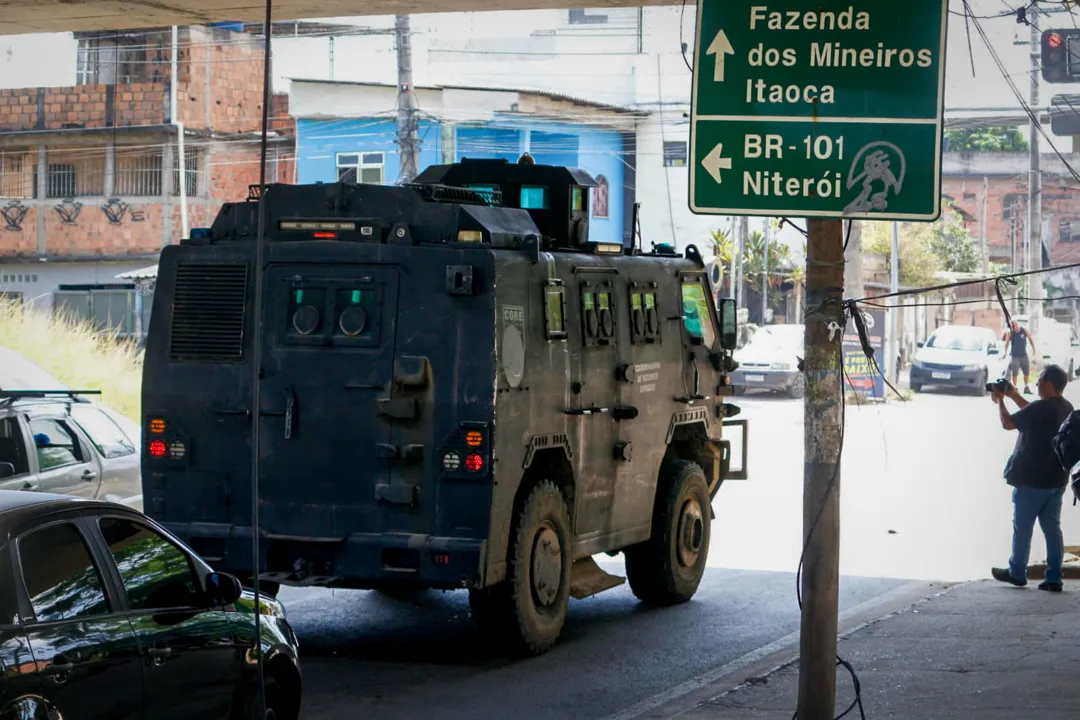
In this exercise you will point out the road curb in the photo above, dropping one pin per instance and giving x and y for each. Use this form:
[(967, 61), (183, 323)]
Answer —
[(776, 656)]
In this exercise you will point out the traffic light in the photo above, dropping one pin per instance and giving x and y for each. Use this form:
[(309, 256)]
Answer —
[(1061, 55)]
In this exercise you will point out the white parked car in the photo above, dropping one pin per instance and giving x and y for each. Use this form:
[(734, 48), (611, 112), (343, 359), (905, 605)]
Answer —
[(1057, 343), (770, 361), (958, 356)]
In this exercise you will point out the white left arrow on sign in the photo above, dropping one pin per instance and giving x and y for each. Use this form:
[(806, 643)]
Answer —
[(720, 46), (713, 163)]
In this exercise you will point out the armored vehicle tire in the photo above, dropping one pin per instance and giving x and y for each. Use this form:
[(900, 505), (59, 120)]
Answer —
[(531, 604), (667, 568)]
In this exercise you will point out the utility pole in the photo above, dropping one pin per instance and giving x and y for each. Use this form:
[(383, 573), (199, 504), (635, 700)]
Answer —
[(821, 479), (741, 237), (406, 117), (765, 274), (331, 48), (894, 313), (982, 226), (1034, 223)]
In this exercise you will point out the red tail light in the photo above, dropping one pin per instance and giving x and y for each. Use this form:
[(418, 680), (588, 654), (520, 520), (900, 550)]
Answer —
[(325, 235), (474, 463), (157, 448)]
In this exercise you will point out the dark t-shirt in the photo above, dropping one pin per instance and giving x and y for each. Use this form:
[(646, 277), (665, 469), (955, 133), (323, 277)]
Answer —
[(1033, 462), (1018, 343)]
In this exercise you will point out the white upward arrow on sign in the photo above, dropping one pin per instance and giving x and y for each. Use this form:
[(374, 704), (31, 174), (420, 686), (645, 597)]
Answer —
[(720, 47), (713, 163)]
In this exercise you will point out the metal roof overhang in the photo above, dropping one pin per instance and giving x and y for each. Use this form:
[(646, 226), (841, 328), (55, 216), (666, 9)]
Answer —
[(35, 16)]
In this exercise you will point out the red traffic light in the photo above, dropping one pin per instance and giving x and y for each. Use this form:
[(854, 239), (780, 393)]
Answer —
[(1054, 40)]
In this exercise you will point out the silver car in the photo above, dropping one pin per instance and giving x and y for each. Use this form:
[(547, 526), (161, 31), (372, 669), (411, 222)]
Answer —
[(54, 441)]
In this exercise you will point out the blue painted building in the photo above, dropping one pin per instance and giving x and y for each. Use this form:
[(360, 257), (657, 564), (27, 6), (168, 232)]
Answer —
[(366, 148)]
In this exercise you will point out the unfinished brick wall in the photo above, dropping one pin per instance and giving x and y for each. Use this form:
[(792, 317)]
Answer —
[(20, 242), (1006, 213), (221, 86), (18, 109), (84, 106)]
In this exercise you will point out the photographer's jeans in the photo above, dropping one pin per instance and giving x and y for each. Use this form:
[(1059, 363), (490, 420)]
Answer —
[(1030, 504)]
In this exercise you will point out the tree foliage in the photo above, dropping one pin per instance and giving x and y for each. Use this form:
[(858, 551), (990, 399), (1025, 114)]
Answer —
[(985, 139), (926, 248)]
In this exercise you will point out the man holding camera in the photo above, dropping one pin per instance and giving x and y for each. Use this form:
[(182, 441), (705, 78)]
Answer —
[(1019, 362), (1035, 474)]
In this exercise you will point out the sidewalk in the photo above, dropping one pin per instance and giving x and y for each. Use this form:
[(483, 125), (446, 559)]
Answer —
[(979, 650)]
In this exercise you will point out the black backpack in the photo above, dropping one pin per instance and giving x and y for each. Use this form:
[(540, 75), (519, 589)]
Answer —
[(1067, 448)]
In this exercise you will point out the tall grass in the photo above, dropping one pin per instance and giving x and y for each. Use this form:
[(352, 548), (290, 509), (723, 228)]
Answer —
[(77, 354)]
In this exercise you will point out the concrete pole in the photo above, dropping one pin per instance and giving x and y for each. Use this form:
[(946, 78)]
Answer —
[(744, 232), (821, 480), (406, 117), (982, 226), (765, 273), (894, 313), (1034, 223)]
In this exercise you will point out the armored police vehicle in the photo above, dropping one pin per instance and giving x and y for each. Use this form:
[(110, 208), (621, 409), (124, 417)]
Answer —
[(457, 390)]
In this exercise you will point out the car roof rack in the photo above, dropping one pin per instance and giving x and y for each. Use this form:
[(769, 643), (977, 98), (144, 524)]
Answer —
[(7, 397)]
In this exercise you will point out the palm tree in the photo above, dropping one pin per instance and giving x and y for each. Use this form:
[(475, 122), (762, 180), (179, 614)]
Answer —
[(797, 277)]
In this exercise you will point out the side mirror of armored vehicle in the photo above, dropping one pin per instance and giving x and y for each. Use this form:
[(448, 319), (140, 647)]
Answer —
[(729, 326)]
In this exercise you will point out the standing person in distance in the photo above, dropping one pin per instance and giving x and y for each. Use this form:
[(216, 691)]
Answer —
[(1018, 338), (1036, 475)]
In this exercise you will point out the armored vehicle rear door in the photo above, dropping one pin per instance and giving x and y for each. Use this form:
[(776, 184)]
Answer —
[(329, 335), (596, 402)]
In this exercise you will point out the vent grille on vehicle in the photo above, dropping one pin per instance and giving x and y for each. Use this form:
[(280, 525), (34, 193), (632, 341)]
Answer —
[(208, 313)]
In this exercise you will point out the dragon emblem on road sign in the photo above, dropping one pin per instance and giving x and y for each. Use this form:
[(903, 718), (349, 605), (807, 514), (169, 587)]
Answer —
[(877, 176)]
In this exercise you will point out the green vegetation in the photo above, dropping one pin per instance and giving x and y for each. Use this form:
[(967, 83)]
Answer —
[(926, 248), (985, 139), (77, 354)]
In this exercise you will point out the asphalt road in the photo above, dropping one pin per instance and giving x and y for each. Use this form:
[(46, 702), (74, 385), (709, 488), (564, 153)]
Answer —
[(922, 499), (368, 655)]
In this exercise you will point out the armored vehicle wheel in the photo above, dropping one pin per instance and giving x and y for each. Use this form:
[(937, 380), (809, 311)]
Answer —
[(537, 590), (667, 568)]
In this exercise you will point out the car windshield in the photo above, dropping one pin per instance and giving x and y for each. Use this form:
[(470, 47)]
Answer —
[(956, 339), (786, 337)]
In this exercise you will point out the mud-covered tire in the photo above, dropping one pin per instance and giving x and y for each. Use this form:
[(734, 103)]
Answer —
[(541, 554), (667, 568)]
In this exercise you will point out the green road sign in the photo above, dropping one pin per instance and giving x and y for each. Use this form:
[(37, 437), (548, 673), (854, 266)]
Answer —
[(827, 109)]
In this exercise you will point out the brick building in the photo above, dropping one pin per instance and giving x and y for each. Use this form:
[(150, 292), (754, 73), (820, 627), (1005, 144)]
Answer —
[(1002, 180), (90, 178)]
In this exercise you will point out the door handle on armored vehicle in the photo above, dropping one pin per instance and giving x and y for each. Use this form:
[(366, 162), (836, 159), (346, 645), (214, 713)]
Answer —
[(290, 403), (363, 386), (397, 408), (89, 475), (226, 411), (586, 411)]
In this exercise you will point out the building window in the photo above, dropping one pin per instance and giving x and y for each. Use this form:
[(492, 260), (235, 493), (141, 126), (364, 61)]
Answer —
[(75, 173), (110, 309), (360, 168), (600, 197), (1069, 229), (584, 17), (121, 60), (675, 154), (17, 173), (137, 172), (194, 171)]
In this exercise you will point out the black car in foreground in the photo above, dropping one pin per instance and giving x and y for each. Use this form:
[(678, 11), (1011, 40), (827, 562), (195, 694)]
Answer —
[(104, 614)]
